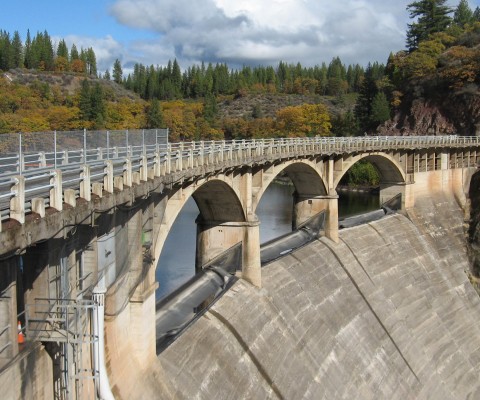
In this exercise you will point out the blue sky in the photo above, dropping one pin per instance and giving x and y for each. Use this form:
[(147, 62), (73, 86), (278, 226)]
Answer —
[(237, 32)]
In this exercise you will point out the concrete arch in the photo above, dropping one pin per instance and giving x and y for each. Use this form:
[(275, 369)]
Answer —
[(216, 200), (304, 174), (389, 168)]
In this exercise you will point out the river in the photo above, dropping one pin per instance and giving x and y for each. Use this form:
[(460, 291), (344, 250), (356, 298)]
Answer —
[(177, 261)]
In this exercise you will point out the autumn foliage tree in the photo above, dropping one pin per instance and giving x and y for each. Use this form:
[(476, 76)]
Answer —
[(304, 120)]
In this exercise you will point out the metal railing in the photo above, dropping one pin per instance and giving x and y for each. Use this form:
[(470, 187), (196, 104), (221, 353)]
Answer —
[(81, 172)]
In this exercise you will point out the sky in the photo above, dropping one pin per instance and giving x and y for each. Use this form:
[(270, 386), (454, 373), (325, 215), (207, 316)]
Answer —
[(236, 32)]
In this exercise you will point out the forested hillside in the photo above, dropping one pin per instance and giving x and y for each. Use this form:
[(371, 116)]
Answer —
[(429, 88)]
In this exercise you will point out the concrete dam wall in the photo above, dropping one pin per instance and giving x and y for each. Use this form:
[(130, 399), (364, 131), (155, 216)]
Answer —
[(387, 313)]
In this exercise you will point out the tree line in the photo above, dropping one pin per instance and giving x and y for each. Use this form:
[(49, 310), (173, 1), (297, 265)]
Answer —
[(168, 82), (40, 53)]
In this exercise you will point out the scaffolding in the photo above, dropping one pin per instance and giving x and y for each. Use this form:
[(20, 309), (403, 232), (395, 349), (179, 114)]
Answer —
[(65, 325)]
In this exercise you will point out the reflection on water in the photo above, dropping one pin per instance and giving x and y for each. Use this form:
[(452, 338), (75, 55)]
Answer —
[(177, 261), (352, 203), (275, 211)]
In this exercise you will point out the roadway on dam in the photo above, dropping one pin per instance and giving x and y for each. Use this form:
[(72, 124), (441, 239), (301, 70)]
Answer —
[(387, 313)]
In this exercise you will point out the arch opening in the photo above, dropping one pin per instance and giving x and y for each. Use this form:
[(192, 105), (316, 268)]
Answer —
[(369, 187), (186, 214)]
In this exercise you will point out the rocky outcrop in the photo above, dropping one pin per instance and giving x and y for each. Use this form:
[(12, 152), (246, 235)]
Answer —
[(444, 112)]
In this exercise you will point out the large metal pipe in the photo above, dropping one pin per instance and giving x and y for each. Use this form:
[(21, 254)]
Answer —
[(104, 391)]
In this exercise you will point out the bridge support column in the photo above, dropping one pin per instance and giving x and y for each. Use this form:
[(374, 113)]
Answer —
[(214, 237), (389, 190), (306, 206)]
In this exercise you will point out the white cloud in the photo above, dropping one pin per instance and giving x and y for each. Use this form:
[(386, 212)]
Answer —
[(107, 49), (265, 31)]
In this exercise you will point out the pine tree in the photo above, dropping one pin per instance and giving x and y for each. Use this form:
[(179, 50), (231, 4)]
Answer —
[(62, 49), (154, 115), (91, 62), (6, 61), (432, 16), (463, 14), (210, 109), (84, 102), (74, 53), (117, 71), (97, 105), (380, 109), (106, 75), (363, 107), (476, 14), (17, 48)]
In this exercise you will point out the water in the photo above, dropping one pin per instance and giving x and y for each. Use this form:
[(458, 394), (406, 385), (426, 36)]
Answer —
[(177, 261)]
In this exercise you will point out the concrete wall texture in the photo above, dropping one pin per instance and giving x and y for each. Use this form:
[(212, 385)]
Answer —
[(387, 313)]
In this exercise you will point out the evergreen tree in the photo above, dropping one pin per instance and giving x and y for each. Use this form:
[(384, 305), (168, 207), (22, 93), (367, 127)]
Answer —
[(380, 109), (97, 105), (476, 14), (74, 53), (106, 75), (463, 14), (176, 79), (27, 61), (432, 16), (17, 49), (117, 72), (62, 49), (84, 103), (91, 62), (363, 107), (155, 115), (6, 61), (210, 109), (45, 50), (344, 125)]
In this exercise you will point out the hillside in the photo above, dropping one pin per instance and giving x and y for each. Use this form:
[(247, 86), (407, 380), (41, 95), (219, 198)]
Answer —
[(269, 104), (68, 83), (437, 86)]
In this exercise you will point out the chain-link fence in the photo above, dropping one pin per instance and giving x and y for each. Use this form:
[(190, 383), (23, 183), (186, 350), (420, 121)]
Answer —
[(20, 151), (51, 142)]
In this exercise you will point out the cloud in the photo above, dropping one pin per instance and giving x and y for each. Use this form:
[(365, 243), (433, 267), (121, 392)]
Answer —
[(107, 49), (265, 31)]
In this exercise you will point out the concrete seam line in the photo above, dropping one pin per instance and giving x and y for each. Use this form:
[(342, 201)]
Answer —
[(372, 310), (249, 352)]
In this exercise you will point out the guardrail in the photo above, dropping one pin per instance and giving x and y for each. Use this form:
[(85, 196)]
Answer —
[(78, 174)]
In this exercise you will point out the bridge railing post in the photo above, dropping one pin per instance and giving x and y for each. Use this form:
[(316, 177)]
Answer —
[(201, 153), (42, 160), (17, 202), (127, 173), (157, 165), (168, 161), (64, 157), (143, 168), (178, 160), (85, 184), (108, 178), (56, 190), (211, 153)]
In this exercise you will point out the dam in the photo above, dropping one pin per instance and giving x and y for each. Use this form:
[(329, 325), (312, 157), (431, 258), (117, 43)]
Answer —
[(380, 310), (388, 312)]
